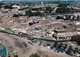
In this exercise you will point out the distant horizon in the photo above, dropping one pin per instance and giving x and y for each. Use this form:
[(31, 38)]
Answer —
[(39, 0)]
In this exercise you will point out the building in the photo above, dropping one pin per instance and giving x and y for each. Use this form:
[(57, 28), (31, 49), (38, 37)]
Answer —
[(37, 32), (64, 34), (64, 30), (15, 6)]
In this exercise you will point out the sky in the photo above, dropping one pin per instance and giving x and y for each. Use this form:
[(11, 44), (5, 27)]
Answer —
[(39, 0)]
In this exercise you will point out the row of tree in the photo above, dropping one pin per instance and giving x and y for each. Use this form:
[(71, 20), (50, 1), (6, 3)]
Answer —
[(68, 17), (76, 39), (65, 48)]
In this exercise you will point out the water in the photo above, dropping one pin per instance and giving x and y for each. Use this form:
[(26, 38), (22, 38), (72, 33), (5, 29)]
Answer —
[(3, 52)]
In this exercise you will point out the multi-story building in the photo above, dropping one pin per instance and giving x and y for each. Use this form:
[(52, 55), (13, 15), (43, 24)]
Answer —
[(64, 34), (64, 31)]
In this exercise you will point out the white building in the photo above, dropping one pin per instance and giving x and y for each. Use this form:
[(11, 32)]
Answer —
[(36, 32), (15, 6)]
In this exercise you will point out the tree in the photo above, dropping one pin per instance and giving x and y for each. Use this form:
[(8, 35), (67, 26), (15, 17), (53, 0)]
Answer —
[(1, 3), (60, 45), (78, 17), (76, 50), (63, 5), (56, 44), (69, 50), (63, 9), (35, 55), (8, 7), (28, 13), (65, 46), (25, 44), (76, 39), (59, 17), (48, 10), (15, 15), (73, 18)]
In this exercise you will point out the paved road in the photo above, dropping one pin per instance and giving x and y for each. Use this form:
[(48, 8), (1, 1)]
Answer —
[(31, 38)]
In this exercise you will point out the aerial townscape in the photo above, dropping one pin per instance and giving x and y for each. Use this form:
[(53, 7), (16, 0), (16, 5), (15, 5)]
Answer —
[(40, 28)]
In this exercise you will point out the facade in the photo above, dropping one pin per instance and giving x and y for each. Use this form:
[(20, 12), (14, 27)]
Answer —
[(64, 34)]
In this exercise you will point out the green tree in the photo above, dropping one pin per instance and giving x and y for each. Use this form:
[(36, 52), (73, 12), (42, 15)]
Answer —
[(69, 50), (76, 39), (78, 16), (60, 45), (35, 55), (76, 50), (65, 46), (8, 7), (55, 44)]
